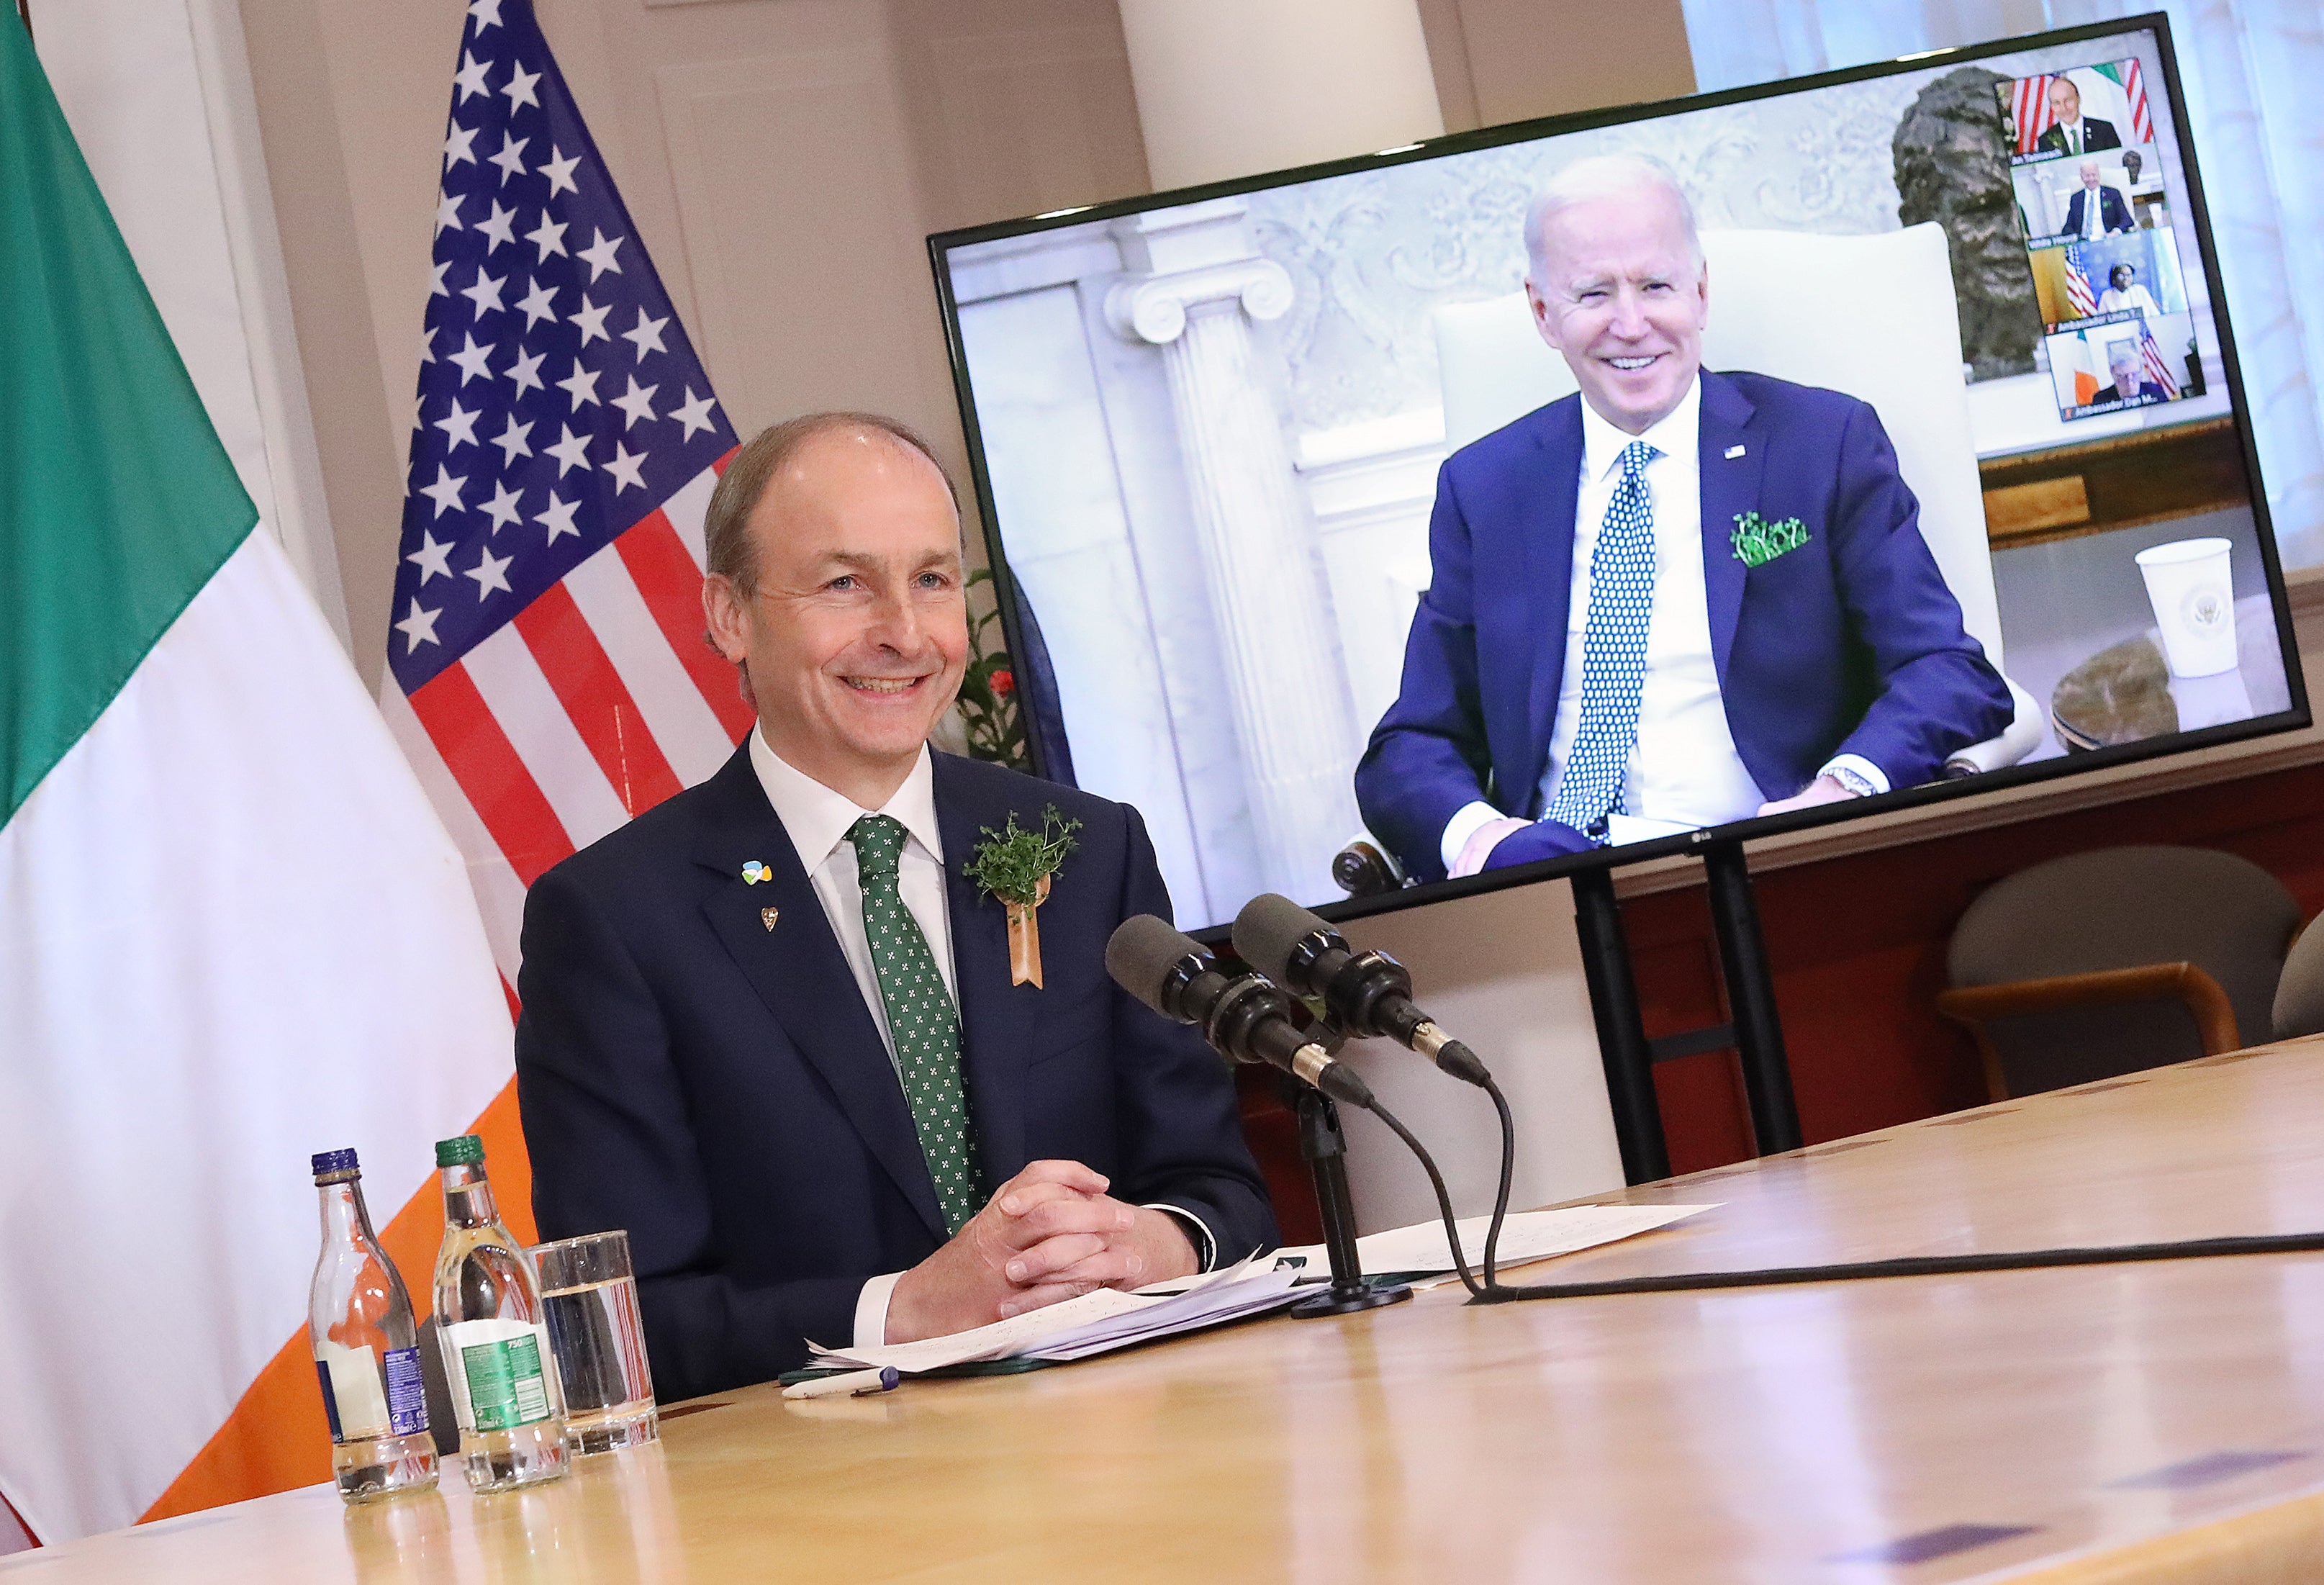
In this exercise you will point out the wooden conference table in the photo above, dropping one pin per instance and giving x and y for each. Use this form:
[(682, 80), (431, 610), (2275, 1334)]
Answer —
[(2098, 1423)]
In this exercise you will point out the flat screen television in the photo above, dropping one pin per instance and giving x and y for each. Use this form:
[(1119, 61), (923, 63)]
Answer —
[(1209, 433)]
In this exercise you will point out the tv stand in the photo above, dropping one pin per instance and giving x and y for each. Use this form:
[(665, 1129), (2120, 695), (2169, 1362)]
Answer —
[(1622, 1043), (1751, 998)]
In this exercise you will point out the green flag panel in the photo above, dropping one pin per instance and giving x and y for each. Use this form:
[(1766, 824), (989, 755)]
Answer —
[(116, 501)]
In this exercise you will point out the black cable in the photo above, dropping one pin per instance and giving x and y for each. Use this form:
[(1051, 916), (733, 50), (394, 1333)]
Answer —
[(1509, 1171), (1477, 1293), (1493, 1291), (1909, 1265)]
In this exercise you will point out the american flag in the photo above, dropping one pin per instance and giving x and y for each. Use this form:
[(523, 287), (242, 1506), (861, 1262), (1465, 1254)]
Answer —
[(2029, 110), (2029, 103), (549, 676), (2150, 357), (2079, 295), (2133, 89)]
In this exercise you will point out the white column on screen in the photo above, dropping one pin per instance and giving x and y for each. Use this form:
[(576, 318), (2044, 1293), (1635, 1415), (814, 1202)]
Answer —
[(1197, 284)]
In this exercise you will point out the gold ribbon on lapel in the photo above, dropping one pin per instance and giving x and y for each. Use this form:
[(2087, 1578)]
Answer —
[(1015, 866), (1025, 938)]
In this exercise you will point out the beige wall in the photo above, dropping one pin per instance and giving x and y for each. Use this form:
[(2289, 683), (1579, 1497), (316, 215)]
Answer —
[(784, 159), (1501, 60)]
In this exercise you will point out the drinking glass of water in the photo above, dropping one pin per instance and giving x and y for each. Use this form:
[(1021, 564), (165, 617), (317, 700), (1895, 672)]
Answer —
[(591, 1300)]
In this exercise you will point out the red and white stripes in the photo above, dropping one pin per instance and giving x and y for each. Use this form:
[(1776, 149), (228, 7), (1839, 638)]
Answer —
[(602, 699)]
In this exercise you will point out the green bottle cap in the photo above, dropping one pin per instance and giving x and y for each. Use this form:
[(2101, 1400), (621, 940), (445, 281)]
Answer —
[(468, 1150)]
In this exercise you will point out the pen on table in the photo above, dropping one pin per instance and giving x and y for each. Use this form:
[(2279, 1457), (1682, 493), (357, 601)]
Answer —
[(849, 1384)]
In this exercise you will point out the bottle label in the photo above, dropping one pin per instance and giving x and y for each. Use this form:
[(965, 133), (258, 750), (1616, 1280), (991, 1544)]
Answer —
[(406, 1393), (352, 1399), (330, 1399), (501, 1372)]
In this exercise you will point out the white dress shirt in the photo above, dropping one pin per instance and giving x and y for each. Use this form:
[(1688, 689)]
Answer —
[(818, 821), (2111, 301), (1684, 772)]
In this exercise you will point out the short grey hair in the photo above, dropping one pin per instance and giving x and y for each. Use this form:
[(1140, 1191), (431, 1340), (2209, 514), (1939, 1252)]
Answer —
[(728, 550), (1602, 176)]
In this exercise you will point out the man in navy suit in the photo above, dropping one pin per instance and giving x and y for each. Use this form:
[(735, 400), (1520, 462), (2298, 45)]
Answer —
[(2128, 367), (768, 1027), (2111, 214), (1674, 600), (2070, 132)]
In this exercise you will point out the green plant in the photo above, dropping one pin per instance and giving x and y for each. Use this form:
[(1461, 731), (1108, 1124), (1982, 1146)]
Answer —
[(988, 716), (1011, 864), (1758, 541)]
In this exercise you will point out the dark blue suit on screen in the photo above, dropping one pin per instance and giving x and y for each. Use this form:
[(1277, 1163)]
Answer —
[(714, 1082), (1850, 643), (2114, 215)]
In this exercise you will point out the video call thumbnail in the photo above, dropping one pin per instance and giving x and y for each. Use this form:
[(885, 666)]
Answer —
[(2138, 272), (2095, 211)]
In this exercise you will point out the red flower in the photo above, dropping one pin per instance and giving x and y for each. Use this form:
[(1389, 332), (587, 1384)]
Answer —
[(1004, 683)]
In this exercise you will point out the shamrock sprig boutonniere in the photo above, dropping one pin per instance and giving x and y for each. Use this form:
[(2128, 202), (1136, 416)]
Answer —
[(1015, 866), (1758, 541)]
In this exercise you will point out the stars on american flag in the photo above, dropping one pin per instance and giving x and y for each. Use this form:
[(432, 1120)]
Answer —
[(557, 401)]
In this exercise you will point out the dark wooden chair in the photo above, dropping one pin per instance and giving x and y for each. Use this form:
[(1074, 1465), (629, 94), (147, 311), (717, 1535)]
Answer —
[(2299, 991), (2111, 961)]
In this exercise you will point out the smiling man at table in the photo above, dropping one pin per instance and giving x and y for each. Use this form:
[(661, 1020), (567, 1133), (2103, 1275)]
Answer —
[(768, 1027), (1675, 599)]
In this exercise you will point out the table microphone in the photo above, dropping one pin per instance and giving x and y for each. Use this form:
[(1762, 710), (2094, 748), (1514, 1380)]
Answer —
[(1246, 1019), (1366, 993)]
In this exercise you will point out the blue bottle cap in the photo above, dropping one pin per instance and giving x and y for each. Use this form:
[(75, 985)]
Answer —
[(335, 1161)]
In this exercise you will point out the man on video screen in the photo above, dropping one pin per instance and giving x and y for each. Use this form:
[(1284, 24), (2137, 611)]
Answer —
[(2069, 131), (2128, 369), (2096, 209), (1676, 599)]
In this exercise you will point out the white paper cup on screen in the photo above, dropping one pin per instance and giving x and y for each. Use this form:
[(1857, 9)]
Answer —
[(2194, 600)]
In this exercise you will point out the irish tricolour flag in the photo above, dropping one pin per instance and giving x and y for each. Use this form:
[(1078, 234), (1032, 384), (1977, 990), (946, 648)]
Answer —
[(232, 931)]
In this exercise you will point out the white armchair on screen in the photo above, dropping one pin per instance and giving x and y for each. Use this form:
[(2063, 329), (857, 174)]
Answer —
[(1872, 315)]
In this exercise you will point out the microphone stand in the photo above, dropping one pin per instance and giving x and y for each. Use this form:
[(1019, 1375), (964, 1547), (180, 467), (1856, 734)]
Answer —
[(1324, 1149)]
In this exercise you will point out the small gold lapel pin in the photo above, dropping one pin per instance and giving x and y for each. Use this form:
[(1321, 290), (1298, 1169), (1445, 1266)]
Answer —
[(768, 916), (754, 871)]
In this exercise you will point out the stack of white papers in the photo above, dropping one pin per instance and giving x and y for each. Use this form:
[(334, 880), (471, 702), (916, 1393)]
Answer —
[(1526, 1236), (1108, 1319), (1091, 1324)]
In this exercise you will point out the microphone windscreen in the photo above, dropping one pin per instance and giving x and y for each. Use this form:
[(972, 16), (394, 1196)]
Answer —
[(1141, 955), (1269, 927)]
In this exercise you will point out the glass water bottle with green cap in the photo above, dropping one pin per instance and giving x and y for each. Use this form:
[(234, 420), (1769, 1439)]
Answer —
[(496, 1354), (366, 1348)]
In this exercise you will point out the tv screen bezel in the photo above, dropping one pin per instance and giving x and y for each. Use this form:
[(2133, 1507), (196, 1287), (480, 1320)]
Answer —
[(941, 244)]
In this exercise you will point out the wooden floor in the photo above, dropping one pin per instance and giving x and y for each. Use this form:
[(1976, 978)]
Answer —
[(2159, 1422)]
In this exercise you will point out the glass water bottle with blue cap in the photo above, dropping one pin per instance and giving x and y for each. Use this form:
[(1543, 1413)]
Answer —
[(366, 1348)]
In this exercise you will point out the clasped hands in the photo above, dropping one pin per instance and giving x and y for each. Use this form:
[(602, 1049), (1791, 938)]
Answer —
[(1049, 1233)]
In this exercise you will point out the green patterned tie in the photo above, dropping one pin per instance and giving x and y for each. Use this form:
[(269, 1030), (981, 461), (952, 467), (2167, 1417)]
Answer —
[(922, 1020)]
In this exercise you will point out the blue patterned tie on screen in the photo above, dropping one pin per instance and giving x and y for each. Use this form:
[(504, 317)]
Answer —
[(922, 1020), (1613, 653)]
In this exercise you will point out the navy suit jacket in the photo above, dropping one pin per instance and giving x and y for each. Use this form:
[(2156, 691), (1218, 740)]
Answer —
[(2096, 135), (2114, 215), (716, 1085), (1850, 643)]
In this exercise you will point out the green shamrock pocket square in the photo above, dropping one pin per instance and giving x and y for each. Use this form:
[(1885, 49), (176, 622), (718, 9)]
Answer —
[(1758, 541)]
